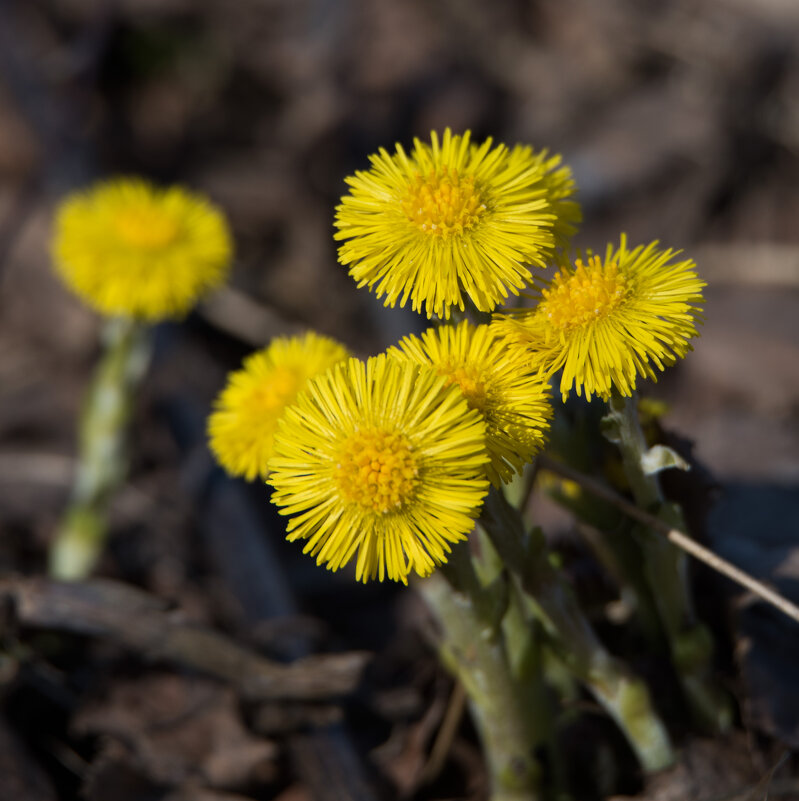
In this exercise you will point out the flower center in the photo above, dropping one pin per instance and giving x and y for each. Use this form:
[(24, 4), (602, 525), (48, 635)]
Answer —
[(281, 387), (591, 292), (376, 469), (471, 382), (443, 203), (145, 227)]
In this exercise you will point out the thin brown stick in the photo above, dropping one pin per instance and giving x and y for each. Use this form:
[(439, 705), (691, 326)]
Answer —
[(446, 735), (679, 538)]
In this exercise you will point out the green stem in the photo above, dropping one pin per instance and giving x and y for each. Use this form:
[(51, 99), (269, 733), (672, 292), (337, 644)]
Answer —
[(473, 649), (624, 696), (530, 664), (534, 667), (665, 569), (102, 461), (664, 564)]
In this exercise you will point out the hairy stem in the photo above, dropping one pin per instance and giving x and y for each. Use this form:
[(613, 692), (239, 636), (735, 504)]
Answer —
[(665, 568), (624, 695), (102, 461), (473, 649)]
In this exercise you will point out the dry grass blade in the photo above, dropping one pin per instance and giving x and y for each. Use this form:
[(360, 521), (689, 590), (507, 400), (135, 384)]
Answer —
[(679, 538)]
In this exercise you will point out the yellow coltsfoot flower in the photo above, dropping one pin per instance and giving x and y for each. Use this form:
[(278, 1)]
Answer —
[(453, 220), (242, 427), (129, 248), (383, 462), (604, 322), (497, 383)]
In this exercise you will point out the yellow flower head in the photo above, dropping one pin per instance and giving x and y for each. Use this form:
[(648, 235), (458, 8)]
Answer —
[(129, 248), (498, 384), (453, 219), (381, 459), (242, 427), (606, 321)]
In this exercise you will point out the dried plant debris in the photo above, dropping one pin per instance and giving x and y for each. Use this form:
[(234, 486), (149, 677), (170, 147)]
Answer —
[(724, 769), (139, 622), (176, 731)]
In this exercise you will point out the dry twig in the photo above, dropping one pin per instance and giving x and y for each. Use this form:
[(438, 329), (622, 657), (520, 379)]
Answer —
[(679, 538)]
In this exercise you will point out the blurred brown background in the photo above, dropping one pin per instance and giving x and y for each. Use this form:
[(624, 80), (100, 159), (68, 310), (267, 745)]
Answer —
[(679, 118)]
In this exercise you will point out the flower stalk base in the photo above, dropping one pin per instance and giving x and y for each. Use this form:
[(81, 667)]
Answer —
[(623, 695), (473, 649)]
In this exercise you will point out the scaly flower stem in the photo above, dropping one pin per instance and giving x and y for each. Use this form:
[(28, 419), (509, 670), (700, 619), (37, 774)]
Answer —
[(473, 649), (665, 568), (102, 463), (624, 696)]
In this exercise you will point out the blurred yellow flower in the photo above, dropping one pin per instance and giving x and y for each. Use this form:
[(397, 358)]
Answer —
[(498, 384), (382, 462), (129, 248), (454, 220), (605, 322), (242, 427)]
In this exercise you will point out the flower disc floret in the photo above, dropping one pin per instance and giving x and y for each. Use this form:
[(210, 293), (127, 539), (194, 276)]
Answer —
[(453, 220), (606, 321), (242, 427), (512, 399), (130, 248), (590, 293), (382, 462), (377, 470), (443, 204)]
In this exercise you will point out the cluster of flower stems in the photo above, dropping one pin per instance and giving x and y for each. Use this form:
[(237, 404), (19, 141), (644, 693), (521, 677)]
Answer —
[(515, 635), (512, 630)]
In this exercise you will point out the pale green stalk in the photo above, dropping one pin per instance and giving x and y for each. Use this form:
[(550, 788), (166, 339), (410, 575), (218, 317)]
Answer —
[(530, 664), (472, 647), (665, 568), (625, 696), (102, 461)]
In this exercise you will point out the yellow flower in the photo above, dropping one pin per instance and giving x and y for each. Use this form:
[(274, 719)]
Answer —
[(452, 220), (242, 426), (606, 321), (129, 248), (498, 384), (381, 459), (560, 188)]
